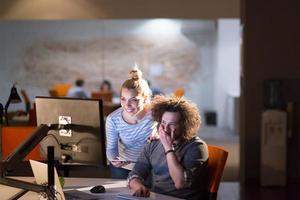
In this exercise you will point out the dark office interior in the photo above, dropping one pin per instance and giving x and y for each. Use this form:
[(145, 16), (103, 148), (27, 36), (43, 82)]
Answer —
[(270, 46)]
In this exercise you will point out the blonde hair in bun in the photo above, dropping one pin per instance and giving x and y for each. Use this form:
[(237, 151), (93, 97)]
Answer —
[(136, 73), (137, 83)]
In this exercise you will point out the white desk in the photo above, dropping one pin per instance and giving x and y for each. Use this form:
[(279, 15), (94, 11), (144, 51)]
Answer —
[(113, 188)]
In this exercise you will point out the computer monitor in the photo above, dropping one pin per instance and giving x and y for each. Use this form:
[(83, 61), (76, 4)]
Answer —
[(82, 144)]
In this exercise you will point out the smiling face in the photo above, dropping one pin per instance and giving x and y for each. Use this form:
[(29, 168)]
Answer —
[(131, 102), (170, 123)]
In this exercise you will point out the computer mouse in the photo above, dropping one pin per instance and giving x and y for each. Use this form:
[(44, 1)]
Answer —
[(97, 189)]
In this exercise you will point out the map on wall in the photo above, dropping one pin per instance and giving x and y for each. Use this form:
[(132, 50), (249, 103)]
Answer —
[(168, 63)]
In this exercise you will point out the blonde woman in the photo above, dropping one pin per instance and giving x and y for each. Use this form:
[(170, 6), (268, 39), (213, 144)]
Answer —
[(128, 128)]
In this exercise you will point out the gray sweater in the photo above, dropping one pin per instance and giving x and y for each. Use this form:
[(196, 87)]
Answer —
[(193, 156)]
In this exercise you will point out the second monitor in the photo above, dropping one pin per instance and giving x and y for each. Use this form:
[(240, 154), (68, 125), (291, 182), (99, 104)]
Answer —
[(84, 143)]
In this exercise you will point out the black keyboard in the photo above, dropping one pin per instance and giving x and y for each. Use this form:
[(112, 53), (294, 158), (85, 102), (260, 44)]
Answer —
[(77, 195)]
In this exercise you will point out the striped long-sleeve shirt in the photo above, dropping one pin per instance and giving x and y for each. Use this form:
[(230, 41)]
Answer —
[(127, 140)]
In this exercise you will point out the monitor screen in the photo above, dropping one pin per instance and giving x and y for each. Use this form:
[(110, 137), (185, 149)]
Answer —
[(85, 142)]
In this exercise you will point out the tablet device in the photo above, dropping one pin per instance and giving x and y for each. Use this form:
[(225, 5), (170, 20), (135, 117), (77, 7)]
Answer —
[(118, 159), (122, 160)]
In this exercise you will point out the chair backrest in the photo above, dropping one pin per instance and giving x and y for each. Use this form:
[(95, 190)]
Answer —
[(105, 96), (53, 93), (179, 92), (61, 89), (109, 107), (12, 137), (26, 100), (216, 164), (32, 121)]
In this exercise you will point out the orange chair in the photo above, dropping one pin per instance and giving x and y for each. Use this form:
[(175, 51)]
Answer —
[(60, 89), (12, 137), (109, 107), (179, 92), (26, 100), (32, 117), (216, 163), (105, 96), (53, 93)]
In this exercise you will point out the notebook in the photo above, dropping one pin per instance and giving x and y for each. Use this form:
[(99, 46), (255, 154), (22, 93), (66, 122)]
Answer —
[(41, 177)]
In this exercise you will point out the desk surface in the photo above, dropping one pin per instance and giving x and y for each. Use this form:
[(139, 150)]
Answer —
[(113, 188)]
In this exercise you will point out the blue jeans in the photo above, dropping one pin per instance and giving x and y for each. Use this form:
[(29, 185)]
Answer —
[(118, 173)]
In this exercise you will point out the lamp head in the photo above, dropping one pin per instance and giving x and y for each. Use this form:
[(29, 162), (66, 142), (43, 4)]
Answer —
[(14, 96)]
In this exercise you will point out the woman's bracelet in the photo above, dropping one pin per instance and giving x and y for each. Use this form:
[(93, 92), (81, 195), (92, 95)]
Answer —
[(171, 150)]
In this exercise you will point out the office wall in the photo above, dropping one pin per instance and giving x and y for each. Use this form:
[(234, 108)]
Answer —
[(39, 54), (227, 89)]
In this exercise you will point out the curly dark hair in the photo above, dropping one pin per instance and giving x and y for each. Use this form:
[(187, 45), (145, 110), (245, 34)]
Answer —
[(190, 120)]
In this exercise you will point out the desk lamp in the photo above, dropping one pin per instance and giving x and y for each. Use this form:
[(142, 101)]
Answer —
[(13, 98), (13, 160)]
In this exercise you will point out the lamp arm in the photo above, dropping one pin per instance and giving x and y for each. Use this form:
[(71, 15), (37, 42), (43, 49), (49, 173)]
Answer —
[(48, 189), (19, 154), (5, 111), (7, 104), (1, 113), (25, 148), (23, 185), (32, 141)]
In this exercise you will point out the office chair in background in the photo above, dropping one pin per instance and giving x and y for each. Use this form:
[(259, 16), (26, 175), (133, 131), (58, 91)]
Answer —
[(26, 100), (105, 96), (179, 92), (59, 90)]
